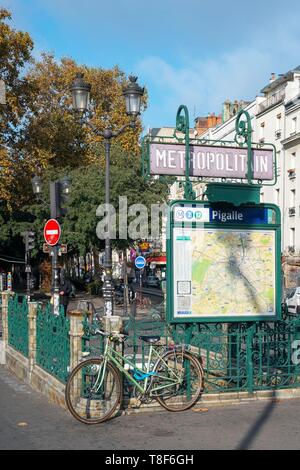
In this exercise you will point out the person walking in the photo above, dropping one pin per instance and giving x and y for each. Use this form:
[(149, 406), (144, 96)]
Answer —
[(65, 289)]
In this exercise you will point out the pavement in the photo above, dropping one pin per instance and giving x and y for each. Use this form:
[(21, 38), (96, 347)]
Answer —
[(28, 421)]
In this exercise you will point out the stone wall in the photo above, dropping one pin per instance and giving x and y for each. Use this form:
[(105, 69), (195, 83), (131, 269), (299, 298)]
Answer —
[(26, 369)]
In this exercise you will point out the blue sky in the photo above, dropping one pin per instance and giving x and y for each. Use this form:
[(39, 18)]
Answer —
[(193, 52)]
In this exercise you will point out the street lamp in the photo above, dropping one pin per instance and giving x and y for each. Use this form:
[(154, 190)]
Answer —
[(36, 185), (65, 185), (80, 93), (132, 94)]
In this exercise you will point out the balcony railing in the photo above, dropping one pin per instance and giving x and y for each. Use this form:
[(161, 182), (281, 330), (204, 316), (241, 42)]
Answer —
[(269, 102)]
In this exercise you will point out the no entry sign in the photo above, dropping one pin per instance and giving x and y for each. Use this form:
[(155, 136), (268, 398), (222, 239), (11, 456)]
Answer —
[(52, 232)]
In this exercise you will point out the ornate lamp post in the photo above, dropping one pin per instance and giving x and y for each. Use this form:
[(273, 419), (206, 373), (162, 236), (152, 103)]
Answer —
[(132, 94)]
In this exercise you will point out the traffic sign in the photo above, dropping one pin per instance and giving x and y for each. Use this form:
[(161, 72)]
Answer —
[(52, 232), (140, 262)]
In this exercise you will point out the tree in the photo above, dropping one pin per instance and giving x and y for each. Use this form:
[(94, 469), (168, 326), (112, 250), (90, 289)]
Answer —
[(87, 193), (16, 47), (54, 135)]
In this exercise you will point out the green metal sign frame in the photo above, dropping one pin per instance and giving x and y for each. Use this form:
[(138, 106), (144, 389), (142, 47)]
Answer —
[(243, 139), (274, 226)]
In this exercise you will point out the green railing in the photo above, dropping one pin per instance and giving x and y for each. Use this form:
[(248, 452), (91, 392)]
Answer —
[(236, 357), (18, 324), (53, 342)]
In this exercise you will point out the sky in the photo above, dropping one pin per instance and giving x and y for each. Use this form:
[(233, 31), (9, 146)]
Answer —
[(193, 52)]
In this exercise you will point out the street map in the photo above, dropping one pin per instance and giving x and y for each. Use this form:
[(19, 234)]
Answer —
[(224, 272)]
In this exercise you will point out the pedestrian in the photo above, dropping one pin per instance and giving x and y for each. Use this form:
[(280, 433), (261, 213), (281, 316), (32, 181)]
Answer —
[(65, 289)]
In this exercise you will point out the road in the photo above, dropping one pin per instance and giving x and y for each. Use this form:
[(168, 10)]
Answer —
[(28, 421)]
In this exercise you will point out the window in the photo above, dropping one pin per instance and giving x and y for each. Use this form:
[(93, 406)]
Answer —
[(262, 131), (292, 237), (294, 125), (292, 197), (278, 122)]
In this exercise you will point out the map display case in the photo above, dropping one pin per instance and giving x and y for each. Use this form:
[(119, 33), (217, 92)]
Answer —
[(223, 262)]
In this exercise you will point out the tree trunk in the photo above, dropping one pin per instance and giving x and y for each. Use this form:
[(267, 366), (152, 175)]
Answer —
[(96, 263)]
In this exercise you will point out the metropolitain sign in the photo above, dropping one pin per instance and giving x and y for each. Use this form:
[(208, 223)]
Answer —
[(210, 161)]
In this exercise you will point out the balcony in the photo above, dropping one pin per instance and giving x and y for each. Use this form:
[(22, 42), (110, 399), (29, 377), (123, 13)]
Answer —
[(292, 211), (272, 101)]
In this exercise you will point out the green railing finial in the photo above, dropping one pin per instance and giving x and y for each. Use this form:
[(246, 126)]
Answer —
[(243, 129), (183, 125)]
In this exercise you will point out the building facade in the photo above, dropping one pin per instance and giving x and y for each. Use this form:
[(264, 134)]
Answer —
[(275, 118)]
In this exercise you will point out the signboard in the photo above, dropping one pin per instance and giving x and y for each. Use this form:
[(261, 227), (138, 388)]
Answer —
[(140, 262), (223, 263), (144, 246), (52, 232), (210, 161)]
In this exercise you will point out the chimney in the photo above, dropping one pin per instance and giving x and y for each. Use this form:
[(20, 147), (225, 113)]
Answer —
[(273, 77)]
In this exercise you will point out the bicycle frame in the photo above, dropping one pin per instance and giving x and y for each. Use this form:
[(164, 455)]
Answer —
[(117, 359)]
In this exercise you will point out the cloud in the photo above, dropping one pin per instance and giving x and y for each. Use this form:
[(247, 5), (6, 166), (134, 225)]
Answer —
[(206, 84), (238, 73)]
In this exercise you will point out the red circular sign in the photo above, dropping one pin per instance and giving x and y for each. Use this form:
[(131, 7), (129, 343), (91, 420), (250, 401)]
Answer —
[(52, 232)]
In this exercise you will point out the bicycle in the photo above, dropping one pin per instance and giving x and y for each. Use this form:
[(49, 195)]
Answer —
[(94, 389), (143, 301)]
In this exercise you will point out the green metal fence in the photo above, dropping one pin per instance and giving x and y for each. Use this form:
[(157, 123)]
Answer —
[(18, 324), (236, 357), (246, 356), (53, 342)]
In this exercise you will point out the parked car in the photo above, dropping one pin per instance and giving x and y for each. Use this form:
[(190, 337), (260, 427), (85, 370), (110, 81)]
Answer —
[(152, 281), (293, 300)]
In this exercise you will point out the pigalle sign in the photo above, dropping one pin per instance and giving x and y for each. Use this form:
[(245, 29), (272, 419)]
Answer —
[(210, 161)]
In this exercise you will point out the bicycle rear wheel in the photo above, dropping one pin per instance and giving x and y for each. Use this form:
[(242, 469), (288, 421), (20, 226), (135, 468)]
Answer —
[(86, 400), (182, 395)]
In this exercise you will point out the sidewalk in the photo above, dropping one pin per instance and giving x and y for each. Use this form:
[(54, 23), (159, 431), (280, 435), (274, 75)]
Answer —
[(28, 421)]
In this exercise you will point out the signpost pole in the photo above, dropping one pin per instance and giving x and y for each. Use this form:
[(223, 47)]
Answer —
[(54, 208), (28, 275), (52, 235)]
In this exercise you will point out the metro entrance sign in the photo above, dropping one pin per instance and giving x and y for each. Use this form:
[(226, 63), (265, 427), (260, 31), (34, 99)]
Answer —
[(223, 262), (210, 161), (52, 232)]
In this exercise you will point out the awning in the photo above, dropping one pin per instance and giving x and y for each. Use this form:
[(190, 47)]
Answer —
[(157, 260)]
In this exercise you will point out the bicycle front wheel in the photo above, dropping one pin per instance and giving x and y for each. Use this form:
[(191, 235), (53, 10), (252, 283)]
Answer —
[(90, 399), (178, 383)]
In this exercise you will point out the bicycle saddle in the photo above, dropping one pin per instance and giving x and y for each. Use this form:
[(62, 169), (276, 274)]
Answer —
[(150, 339)]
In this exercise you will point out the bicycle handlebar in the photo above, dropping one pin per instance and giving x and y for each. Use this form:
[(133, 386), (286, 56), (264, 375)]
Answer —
[(114, 335)]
